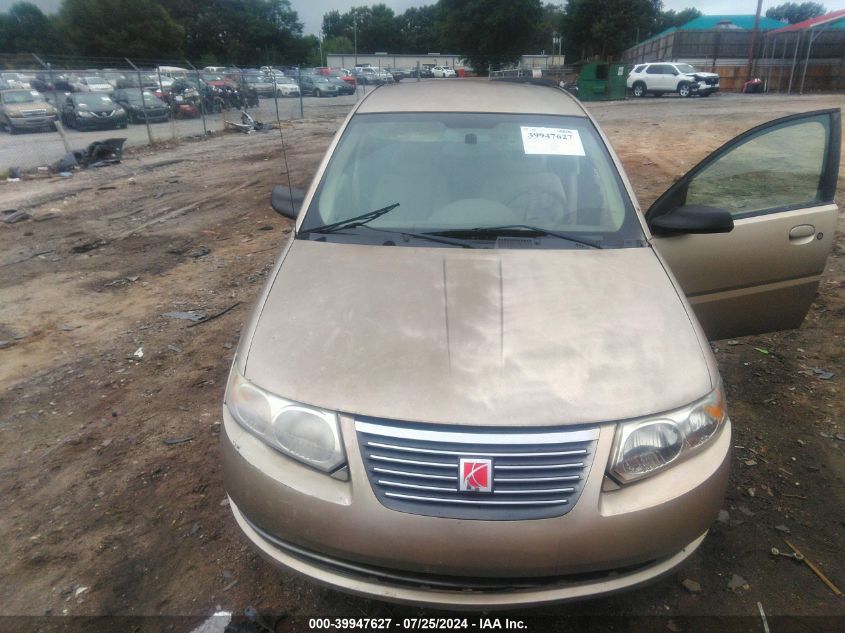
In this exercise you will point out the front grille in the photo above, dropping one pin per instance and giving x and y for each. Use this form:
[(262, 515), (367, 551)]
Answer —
[(34, 112), (537, 474)]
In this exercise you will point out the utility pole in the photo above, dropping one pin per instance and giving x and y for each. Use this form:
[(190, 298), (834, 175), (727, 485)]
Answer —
[(355, 35), (750, 67)]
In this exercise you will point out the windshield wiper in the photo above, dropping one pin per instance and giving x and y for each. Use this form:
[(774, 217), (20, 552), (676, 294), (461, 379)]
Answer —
[(425, 236), (512, 230), (358, 220)]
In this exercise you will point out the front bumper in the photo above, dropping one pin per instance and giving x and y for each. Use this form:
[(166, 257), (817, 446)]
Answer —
[(32, 123), (338, 533), (100, 123)]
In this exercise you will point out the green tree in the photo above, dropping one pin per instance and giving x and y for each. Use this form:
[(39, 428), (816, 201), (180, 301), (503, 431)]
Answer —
[(113, 28), (489, 32), (548, 26), (793, 12), (604, 28), (668, 19), (376, 28), (419, 29), (25, 29), (242, 32), (337, 44)]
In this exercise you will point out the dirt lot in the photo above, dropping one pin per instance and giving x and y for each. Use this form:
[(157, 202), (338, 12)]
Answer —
[(104, 512)]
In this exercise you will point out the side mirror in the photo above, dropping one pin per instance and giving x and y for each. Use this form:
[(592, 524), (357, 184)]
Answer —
[(287, 201), (694, 218)]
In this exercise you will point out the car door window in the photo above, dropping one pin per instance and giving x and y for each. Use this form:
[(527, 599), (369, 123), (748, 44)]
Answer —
[(654, 69), (779, 167)]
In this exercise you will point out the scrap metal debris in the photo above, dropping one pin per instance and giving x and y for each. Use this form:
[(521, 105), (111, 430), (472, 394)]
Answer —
[(89, 246), (248, 125), (11, 216), (188, 315), (815, 570), (177, 440), (219, 314)]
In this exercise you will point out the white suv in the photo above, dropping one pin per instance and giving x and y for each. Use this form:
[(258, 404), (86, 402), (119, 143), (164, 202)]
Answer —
[(443, 71), (671, 77)]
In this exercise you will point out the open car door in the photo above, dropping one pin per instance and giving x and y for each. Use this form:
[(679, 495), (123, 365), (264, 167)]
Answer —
[(747, 231)]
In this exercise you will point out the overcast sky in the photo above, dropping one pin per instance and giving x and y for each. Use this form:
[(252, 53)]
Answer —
[(311, 11)]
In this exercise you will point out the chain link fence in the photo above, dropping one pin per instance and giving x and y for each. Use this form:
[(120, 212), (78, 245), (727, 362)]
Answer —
[(50, 106)]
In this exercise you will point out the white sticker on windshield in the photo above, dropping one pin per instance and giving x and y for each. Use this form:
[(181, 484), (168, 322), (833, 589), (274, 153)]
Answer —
[(106, 99), (551, 140)]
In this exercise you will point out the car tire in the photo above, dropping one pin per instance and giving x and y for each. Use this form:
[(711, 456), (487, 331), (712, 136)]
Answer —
[(638, 89), (13, 130), (684, 89), (318, 93)]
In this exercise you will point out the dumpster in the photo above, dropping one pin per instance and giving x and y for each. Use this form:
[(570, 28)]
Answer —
[(602, 81)]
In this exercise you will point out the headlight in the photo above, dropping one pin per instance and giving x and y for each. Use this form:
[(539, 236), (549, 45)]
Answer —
[(84, 113), (645, 447), (310, 435)]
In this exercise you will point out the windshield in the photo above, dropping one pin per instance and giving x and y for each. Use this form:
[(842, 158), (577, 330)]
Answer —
[(285, 80), (461, 171), (133, 97), (93, 99), (685, 68), (211, 77), (18, 96)]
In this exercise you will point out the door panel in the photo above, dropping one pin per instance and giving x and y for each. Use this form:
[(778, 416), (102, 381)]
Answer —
[(778, 182)]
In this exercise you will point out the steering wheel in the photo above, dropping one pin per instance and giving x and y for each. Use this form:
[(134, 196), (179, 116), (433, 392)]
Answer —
[(472, 212), (521, 202)]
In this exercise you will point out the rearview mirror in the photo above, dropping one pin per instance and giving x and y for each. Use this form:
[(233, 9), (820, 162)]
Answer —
[(287, 201), (694, 218)]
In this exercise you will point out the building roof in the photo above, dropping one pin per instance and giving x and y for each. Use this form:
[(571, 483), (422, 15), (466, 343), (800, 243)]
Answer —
[(833, 20), (471, 95), (728, 22), (744, 22)]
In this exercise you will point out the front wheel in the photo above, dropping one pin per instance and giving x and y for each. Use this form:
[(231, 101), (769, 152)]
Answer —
[(638, 90), (684, 89), (318, 93)]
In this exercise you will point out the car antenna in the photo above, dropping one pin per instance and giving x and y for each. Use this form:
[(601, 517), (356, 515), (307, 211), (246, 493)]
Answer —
[(282, 136)]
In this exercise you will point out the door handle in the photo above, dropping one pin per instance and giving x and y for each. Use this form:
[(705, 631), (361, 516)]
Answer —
[(801, 232)]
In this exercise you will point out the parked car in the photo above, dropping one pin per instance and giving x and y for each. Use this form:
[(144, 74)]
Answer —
[(261, 83), (318, 85), (397, 73), (129, 99), (287, 87), (343, 88), (112, 77), (524, 407), (425, 71), (347, 76), (370, 75), (92, 111), (93, 83), (16, 80), (22, 110), (443, 71), (664, 77)]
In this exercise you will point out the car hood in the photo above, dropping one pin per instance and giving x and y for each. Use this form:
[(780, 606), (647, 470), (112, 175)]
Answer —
[(99, 108), (702, 75), (17, 108), (481, 337)]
